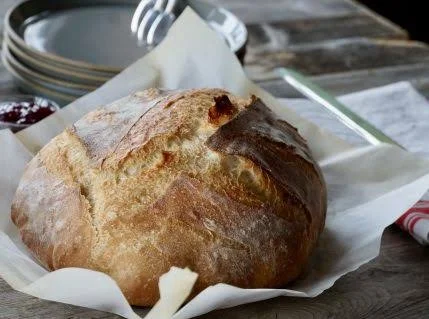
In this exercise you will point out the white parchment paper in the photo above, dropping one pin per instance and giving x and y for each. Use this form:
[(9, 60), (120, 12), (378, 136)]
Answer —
[(368, 187)]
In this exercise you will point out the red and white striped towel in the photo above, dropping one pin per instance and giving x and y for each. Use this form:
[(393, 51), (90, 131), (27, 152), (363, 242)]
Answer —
[(416, 222)]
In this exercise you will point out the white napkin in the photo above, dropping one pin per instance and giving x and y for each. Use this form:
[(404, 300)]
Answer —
[(366, 192), (396, 109), (400, 112)]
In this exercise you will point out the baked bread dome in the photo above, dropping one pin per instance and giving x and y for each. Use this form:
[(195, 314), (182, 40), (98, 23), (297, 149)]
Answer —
[(197, 178)]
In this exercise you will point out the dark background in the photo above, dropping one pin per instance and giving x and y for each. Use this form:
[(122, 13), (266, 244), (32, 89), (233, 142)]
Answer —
[(411, 15)]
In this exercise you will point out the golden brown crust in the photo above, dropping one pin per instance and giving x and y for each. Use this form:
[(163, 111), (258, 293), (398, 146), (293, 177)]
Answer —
[(47, 211), (199, 179), (281, 152)]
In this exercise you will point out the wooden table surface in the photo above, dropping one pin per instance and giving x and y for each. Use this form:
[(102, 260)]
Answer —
[(343, 47)]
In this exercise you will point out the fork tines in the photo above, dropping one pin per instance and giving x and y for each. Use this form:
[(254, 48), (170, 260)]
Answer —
[(152, 19)]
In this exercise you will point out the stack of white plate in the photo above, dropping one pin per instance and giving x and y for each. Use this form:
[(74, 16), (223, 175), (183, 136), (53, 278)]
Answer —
[(65, 49)]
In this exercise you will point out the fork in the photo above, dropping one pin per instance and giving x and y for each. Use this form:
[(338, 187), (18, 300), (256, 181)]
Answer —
[(153, 18)]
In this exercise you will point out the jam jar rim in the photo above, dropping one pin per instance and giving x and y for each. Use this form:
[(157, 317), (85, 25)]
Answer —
[(21, 98)]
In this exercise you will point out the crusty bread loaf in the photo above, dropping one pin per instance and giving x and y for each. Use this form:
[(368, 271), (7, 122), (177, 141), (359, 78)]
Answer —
[(198, 178)]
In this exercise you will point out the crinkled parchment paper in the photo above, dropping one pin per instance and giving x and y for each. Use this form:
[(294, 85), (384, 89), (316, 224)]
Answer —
[(368, 187)]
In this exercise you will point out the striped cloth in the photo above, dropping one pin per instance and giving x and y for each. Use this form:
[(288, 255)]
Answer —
[(416, 222)]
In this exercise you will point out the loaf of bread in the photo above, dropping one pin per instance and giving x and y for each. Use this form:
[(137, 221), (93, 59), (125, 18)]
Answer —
[(199, 179)]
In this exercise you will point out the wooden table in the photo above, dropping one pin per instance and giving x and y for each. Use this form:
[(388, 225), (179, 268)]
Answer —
[(343, 47)]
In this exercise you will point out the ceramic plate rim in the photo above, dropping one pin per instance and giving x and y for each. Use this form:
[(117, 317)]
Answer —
[(50, 86), (48, 92), (51, 56), (75, 63), (43, 65), (45, 59), (21, 68), (35, 83)]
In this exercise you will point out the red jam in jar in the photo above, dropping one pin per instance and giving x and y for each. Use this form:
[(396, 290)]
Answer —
[(26, 112)]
